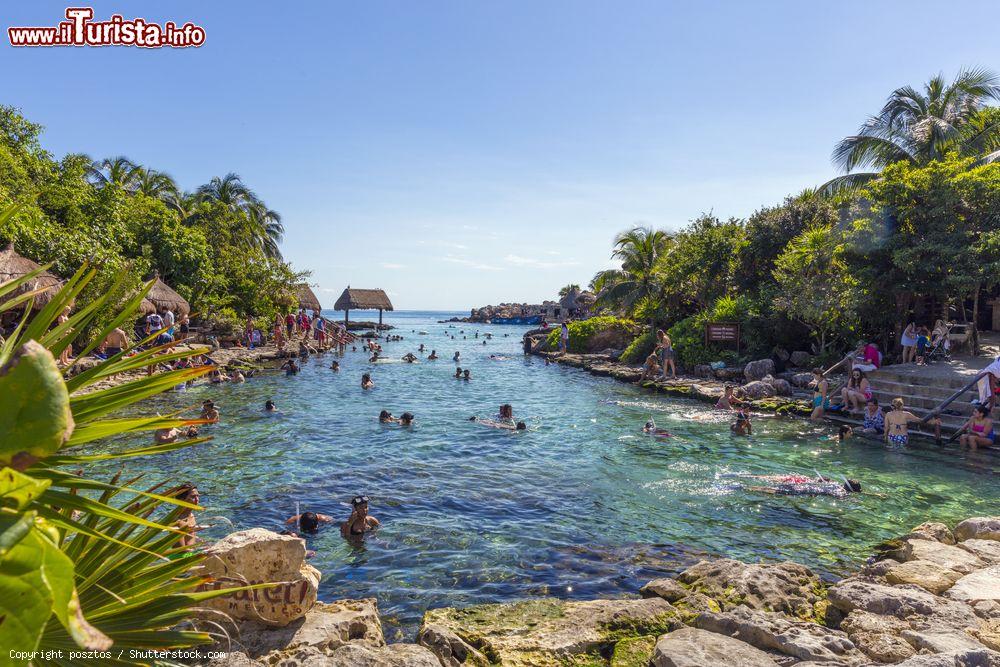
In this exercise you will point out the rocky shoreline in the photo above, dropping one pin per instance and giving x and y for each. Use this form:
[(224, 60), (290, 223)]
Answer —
[(930, 598)]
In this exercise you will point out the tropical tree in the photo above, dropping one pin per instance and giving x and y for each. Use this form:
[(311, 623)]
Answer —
[(637, 281), (563, 291), (154, 184), (118, 171), (917, 126), (262, 226)]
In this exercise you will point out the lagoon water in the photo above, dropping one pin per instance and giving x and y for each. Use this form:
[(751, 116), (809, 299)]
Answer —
[(581, 505)]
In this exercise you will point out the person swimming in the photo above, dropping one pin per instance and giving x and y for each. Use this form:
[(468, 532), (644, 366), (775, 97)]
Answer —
[(409, 357), (269, 406), (458, 373), (844, 432), (432, 356), (457, 357), (335, 365), (742, 425), (290, 367), (466, 374), (728, 399), (366, 381), (650, 428), (802, 485), (406, 419), (308, 522), (209, 412), (385, 417), (360, 522)]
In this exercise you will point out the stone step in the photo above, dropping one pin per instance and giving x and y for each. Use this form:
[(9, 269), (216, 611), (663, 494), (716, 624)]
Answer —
[(903, 388), (909, 376), (962, 405)]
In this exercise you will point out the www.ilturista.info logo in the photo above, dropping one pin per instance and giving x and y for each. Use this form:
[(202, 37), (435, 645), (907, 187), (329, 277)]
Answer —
[(80, 30)]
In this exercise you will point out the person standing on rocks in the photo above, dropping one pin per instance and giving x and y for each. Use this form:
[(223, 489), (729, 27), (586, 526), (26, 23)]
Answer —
[(666, 349), (564, 338)]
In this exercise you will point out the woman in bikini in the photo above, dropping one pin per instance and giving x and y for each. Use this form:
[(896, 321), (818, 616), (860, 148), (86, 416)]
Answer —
[(978, 431), (897, 433), (821, 400), (857, 392), (360, 522)]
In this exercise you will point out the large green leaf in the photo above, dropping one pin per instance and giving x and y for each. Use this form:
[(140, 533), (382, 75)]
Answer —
[(17, 489), (35, 415)]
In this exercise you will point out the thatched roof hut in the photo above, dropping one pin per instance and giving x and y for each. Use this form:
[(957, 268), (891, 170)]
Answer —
[(568, 302), (307, 298), (13, 266), (163, 296), (363, 299)]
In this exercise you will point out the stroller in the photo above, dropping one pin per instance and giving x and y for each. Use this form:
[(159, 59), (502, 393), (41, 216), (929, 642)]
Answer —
[(940, 344)]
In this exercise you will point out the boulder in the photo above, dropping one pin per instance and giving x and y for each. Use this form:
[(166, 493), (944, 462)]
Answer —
[(963, 658), (782, 354), (394, 655), (787, 587), (983, 585), (919, 608), (261, 556), (781, 387), (945, 555), (326, 626), (702, 371), (987, 551), (633, 652), (756, 370), (774, 632), (801, 359), (665, 588), (757, 389), (988, 633), (541, 631), (877, 636), (939, 642), (932, 530), (694, 604), (691, 647), (924, 573), (980, 528)]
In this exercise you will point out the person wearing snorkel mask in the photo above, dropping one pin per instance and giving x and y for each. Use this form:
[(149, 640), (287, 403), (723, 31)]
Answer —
[(742, 424), (360, 522)]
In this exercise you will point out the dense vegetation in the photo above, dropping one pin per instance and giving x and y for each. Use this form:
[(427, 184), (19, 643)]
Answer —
[(847, 261), (217, 246)]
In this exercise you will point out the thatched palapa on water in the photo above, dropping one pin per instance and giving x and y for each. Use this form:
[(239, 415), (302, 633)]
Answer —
[(13, 266), (363, 299), (307, 298)]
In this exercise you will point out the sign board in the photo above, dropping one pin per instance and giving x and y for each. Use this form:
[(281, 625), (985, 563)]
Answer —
[(723, 332)]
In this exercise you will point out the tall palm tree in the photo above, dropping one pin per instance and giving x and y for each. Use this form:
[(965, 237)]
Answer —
[(118, 171), (263, 227), (154, 183), (639, 249), (266, 229), (228, 190), (919, 126)]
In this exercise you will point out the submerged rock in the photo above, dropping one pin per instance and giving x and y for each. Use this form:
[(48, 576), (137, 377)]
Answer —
[(787, 587), (541, 632), (691, 647)]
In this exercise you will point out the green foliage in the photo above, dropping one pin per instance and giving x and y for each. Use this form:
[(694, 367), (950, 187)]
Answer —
[(597, 332), (639, 348)]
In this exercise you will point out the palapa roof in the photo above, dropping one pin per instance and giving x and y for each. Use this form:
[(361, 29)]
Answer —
[(363, 299), (306, 297), (13, 266), (162, 295), (569, 301)]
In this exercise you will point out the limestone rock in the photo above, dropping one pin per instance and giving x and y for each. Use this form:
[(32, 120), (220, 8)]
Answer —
[(988, 633), (541, 632), (394, 655), (665, 588), (757, 389), (987, 551), (775, 632), (787, 587), (933, 530), (702, 371), (781, 387), (924, 573), (801, 380), (326, 626), (945, 555), (756, 370), (920, 609), (877, 636), (939, 642), (694, 604), (261, 556), (691, 647), (633, 651), (978, 586), (966, 658), (980, 528), (800, 359)]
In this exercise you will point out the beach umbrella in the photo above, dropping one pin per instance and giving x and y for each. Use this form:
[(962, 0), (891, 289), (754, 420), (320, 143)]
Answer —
[(363, 299), (307, 298), (13, 266), (163, 296)]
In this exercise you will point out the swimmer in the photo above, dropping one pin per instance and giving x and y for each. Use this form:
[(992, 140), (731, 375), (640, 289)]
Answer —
[(385, 417), (269, 406), (187, 492), (209, 412), (650, 429), (506, 413), (504, 425), (742, 424), (308, 522), (433, 356), (366, 381), (290, 367), (728, 399), (406, 419), (458, 373), (335, 365), (466, 374), (237, 377), (801, 485), (421, 348), (409, 357), (165, 436), (360, 521), (457, 357), (844, 432)]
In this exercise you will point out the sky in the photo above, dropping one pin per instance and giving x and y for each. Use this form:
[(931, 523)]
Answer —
[(466, 152)]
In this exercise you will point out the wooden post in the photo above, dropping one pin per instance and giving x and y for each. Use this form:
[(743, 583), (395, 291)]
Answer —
[(347, 311), (379, 318)]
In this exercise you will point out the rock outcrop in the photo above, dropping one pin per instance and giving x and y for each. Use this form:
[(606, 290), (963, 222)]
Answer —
[(757, 370)]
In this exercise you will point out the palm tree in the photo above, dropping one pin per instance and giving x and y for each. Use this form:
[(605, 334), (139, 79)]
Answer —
[(266, 229), (184, 203), (567, 289), (919, 126), (154, 183), (639, 250), (119, 171), (263, 226), (229, 191)]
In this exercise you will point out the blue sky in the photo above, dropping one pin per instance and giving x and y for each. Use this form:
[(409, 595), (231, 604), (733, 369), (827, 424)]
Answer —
[(468, 152)]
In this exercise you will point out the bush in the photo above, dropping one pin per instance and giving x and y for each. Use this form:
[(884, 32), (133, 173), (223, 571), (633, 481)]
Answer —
[(595, 334), (639, 349)]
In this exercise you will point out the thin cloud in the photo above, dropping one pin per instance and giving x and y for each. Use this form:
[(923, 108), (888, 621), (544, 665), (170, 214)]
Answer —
[(393, 267), (470, 263), (517, 260)]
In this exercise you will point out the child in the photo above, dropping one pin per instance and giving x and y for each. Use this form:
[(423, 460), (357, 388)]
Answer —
[(923, 340), (742, 425)]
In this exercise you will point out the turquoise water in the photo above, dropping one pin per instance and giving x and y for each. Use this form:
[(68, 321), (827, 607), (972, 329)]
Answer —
[(581, 505)]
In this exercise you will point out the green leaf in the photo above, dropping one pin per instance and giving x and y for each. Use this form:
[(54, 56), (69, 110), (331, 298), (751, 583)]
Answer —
[(19, 489), (35, 414)]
